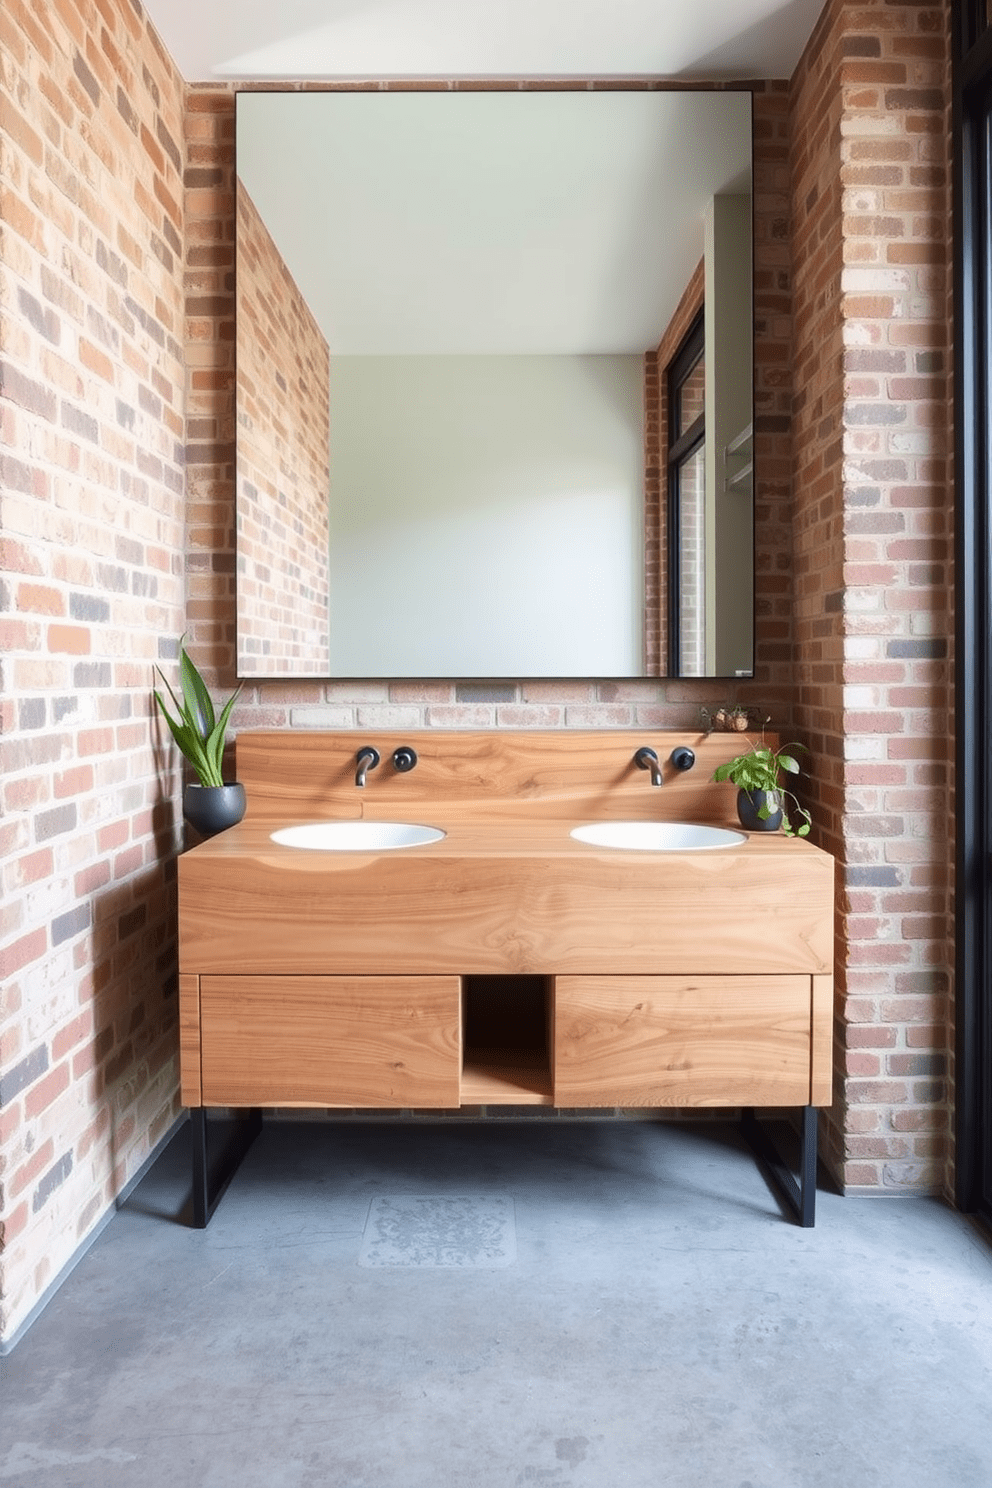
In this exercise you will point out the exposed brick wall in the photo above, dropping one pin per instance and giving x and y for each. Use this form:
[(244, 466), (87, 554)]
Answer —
[(872, 525), (209, 201), (113, 254), (583, 704), (283, 494), (91, 444), (774, 685)]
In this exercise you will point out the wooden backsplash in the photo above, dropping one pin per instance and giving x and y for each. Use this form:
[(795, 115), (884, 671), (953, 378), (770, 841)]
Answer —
[(290, 776)]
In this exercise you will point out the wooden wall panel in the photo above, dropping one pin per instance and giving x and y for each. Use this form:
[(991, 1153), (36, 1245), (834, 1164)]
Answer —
[(486, 776)]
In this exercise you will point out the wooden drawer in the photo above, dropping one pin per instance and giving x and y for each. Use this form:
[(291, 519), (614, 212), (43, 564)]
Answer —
[(679, 1041), (330, 1041)]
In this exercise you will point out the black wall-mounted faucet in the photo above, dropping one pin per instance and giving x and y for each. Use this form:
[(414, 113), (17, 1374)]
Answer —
[(646, 759), (366, 759), (681, 757)]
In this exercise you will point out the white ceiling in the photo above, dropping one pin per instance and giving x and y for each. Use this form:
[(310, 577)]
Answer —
[(483, 38), (497, 223)]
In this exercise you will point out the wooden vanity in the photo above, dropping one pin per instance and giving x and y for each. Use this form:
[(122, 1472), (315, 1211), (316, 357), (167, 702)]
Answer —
[(506, 963)]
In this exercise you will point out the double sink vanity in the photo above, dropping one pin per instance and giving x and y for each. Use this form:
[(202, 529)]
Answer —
[(517, 919)]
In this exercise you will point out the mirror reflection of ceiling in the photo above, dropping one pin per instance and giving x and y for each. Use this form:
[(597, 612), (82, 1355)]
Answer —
[(488, 223), (337, 39)]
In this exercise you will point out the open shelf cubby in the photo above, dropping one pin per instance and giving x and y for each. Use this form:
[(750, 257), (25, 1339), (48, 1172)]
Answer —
[(506, 1041)]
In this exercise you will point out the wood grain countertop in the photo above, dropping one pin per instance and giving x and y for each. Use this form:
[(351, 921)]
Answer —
[(520, 896), (465, 837)]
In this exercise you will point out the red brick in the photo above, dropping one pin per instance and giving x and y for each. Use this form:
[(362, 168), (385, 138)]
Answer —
[(867, 1036), (48, 1089), (72, 639), (75, 782), (22, 952), (72, 1034), (12, 1225), (40, 599), (91, 878), (864, 1065), (113, 835), (35, 1165), (35, 866)]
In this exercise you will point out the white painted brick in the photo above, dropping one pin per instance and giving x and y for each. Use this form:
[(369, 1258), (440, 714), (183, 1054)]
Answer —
[(862, 747), (875, 281), (863, 601), (322, 718), (388, 716), (862, 648), (919, 443), (859, 696), (868, 126)]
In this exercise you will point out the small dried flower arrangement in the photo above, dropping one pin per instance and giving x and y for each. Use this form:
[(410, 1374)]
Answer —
[(732, 718)]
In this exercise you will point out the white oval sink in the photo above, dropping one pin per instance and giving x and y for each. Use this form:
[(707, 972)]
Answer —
[(356, 836), (648, 836)]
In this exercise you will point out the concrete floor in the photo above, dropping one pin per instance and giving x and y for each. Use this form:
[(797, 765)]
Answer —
[(651, 1321)]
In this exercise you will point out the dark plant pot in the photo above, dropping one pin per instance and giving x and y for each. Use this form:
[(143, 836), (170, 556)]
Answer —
[(213, 808), (749, 803)]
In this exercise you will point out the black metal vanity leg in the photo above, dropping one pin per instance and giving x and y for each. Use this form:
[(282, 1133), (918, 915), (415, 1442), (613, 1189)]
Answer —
[(201, 1208), (799, 1197), (210, 1180), (807, 1168)]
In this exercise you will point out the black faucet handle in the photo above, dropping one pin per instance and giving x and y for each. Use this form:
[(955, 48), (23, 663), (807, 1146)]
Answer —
[(683, 758), (404, 758)]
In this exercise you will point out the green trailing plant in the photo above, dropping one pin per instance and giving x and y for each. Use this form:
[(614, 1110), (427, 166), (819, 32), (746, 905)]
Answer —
[(759, 769), (196, 729)]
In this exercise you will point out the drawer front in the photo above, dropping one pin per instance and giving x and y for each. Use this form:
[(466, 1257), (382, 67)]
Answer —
[(678, 1041), (330, 1041)]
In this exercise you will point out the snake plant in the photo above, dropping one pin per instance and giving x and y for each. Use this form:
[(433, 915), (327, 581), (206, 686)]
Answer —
[(196, 729)]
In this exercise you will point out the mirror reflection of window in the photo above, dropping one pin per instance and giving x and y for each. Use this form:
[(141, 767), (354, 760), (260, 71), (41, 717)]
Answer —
[(692, 563), (692, 395), (687, 505)]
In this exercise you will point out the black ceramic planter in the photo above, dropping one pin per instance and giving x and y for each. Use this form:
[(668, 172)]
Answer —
[(749, 804), (213, 808)]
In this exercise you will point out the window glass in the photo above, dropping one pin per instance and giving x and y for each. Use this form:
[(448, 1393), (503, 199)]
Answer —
[(692, 394), (692, 563)]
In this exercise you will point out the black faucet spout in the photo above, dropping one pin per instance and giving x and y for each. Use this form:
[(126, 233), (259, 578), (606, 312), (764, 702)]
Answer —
[(366, 759), (646, 759)]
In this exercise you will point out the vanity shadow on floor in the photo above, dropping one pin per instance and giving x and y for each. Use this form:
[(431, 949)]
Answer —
[(658, 1324)]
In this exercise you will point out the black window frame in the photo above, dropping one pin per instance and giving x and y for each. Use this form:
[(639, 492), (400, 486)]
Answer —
[(972, 184)]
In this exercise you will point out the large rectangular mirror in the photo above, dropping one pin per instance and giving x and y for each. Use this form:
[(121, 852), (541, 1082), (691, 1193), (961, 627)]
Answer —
[(459, 449)]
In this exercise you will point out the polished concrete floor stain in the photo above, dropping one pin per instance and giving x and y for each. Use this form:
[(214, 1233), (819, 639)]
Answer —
[(511, 1305), (443, 1230)]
